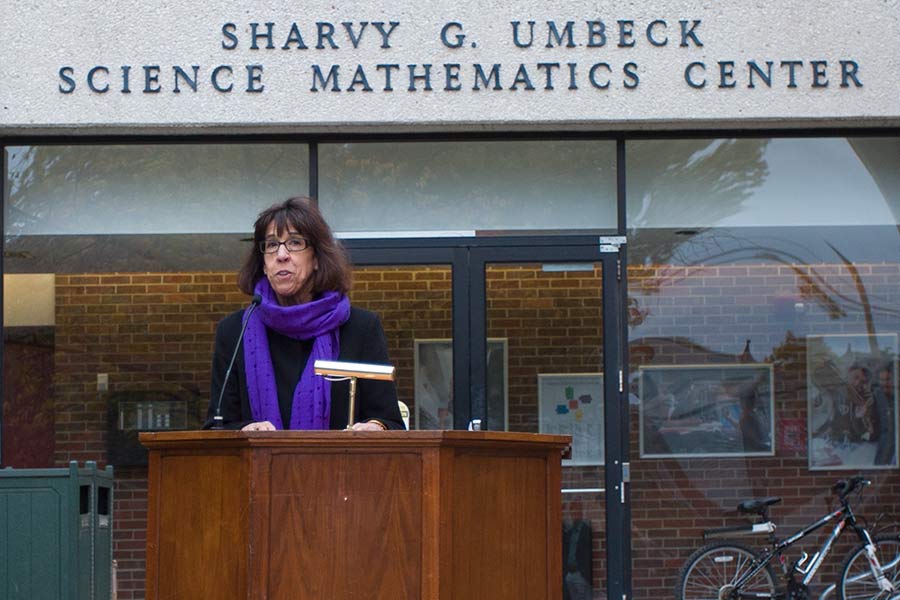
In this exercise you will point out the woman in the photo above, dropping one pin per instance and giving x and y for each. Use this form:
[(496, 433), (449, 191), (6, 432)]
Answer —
[(302, 275)]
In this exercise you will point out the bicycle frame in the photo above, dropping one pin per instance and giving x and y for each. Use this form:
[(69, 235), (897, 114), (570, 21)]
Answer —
[(844, 515), (754, 562)]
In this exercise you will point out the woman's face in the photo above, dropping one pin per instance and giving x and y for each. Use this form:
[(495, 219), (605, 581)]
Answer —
[(288, 272)]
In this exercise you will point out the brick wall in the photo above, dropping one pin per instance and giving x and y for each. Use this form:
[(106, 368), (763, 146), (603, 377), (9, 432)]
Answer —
[(152, 331), (147, 331), (413, 303), (28, 433)]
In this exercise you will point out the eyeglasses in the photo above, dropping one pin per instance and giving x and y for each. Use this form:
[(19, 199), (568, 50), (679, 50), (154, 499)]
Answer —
[(294, 244)]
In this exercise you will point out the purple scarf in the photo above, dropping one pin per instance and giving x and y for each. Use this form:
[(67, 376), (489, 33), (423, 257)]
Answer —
[(319, 321)]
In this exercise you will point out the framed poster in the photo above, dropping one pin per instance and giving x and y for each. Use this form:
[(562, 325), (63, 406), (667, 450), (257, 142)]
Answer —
[(434, 384), (707, 410), (572, 404), (852, 401)]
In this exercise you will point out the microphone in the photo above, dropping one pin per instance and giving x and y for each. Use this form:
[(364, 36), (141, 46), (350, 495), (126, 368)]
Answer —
[(218, 420)]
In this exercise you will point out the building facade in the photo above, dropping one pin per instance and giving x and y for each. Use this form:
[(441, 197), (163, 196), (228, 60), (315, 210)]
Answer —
[(668, 230)]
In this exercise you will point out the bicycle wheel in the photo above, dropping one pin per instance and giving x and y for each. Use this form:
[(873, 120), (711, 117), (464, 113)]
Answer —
[(857, 581), (710, 573)]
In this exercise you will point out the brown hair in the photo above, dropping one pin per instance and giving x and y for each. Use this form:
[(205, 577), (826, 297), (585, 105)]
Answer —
[(333, 273)]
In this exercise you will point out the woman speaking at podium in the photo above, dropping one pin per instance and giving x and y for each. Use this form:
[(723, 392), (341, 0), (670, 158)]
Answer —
[(299, 276)]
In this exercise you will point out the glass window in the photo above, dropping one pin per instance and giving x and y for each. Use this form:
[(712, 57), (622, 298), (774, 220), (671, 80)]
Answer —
[(434, 188), (81, 190), (118, 262), (764, 280)]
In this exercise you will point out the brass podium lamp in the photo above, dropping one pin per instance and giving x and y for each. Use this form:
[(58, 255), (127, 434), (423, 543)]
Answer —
[(334, 370)]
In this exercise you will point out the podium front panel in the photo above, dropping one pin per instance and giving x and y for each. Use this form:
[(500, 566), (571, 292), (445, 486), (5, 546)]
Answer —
[(201, 539), (500, 527), (344, 525)]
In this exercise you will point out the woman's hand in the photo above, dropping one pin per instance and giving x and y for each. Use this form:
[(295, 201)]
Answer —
[(259, 426), (368, 426)]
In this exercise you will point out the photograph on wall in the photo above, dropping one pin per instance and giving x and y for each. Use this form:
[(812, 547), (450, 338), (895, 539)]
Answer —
[(707, 410), (572, 404), (852, 401), (434, 384)]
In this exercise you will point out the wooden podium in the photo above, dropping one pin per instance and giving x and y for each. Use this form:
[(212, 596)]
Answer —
[(335, 515)]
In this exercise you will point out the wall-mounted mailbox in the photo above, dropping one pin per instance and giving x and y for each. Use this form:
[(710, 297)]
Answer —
[(152, 415), (131, 412)]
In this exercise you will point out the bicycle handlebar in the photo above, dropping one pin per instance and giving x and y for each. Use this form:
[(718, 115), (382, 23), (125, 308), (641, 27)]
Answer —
[(845, 487)]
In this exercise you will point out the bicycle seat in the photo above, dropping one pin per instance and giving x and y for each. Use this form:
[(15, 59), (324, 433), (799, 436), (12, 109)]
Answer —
[(757, 507)]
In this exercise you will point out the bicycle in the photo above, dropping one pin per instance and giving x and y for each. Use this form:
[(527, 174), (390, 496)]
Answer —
[(729, 570)]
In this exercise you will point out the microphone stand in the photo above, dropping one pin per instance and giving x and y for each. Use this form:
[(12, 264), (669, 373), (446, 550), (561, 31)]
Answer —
[(218, 420)]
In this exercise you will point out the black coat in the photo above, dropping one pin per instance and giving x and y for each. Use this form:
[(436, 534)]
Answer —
[(362, 340)]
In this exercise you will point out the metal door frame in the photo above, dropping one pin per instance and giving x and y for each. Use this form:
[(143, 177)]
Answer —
[(468, 258)]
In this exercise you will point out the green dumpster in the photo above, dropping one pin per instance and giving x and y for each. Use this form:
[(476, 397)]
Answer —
[(56, 533)]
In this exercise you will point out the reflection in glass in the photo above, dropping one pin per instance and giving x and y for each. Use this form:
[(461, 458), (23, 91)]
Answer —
[(762, 182), (776, 256), (202, 188), (582, 557), (463, 187)]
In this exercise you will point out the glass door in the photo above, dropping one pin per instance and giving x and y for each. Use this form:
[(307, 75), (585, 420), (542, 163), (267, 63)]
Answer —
[(525, 335), (415, 295), (541, 363)]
